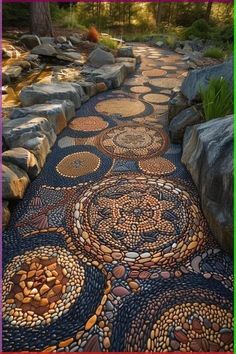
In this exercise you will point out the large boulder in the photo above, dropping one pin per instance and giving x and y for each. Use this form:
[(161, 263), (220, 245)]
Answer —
[(126, 52), (184, 119), (13, 71), (45, 50), (14, 182), (112, 75), (17, 132), (47, 40), (199, 79), (176, 104), (208, 156), (99, 57), (30, 40), (41, 93), (23, 159), (129, 63), (56, 112)]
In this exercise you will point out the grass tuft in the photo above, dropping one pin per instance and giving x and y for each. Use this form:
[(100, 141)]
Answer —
[(214, 52), (217, 99)]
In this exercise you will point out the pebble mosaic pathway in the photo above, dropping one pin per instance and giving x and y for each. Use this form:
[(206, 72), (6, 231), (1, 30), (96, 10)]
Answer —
[(109, 250)]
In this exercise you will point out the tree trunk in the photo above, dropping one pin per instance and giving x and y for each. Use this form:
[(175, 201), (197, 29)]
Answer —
[(41, 23), (208, 11), (158, 15)]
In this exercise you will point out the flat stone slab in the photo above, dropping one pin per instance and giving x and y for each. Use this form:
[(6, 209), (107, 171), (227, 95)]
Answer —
[(15, 181), (41, 93), (56, 112)]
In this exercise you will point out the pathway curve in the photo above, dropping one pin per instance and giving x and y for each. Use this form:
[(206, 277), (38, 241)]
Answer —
[(109, 250)]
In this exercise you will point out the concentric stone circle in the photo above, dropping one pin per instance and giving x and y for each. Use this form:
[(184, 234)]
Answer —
[(154, 73), (88, 124), (156, 98), (157, 165), (140, 89), (125, 107), (197, 321), (38, 284), (138, 220), (133, 141), (167, 82), (78, 164)]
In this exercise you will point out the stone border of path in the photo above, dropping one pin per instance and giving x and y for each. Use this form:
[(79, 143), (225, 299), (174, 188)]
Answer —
[(207, 149), (32, 129)]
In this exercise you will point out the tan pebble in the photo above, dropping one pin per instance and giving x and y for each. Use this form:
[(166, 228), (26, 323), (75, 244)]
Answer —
[(90, 323), (79, 335), (26, 300), (50, 349), (105, 249), (133, 285), (44, 289), (106, 342), (19, 296), (65, 343), (44, 302), (107, 258), (99, 310)]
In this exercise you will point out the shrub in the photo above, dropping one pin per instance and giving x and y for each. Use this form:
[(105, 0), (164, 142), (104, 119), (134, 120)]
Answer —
[(93, 35), (199, 29), (171, 41), (217, 99), (214, 52), (108, 42)]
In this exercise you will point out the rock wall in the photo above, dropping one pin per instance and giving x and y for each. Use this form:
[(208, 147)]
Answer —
[(208, 156)]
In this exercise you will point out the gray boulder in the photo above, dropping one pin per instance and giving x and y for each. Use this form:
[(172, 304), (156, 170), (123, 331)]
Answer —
[(99, 57), (56, 112), (184, 119), (30, 40), (176, 104), (112, 75), (75, 40), (41, 93), (6, 214), (199, 79), (23, 159), (126, 52), (17, 132), (61, 39), (13, 71), (89, 88), (208, 156), (14, 182), (47, 40), (45, 50), (129, 63)]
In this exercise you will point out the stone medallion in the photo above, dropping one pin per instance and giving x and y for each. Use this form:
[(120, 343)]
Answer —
[(157, 166), (88, 124), (133, 141), (125, 107), (137, 219), (166, 82), (181, 319), (140, 89), (35, 285), (154, 73), (78, 164), (156, 98)]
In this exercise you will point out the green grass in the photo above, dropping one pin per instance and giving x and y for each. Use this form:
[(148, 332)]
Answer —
[(217, 99), (108, 42), (214, 52)]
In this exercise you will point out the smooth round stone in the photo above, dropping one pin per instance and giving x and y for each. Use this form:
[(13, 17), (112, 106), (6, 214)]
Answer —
[(118, 271), (120, 291), (165, 275), (132, 255)]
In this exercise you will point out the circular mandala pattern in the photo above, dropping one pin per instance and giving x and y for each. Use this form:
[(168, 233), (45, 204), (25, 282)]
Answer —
[(88, 124), (154, 73), (180, 319), (133, 141), (157, 166), (125, 107), (35, 284), (78, 164), (140, 89), (167, 83), (156, 98), (138, 219)]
